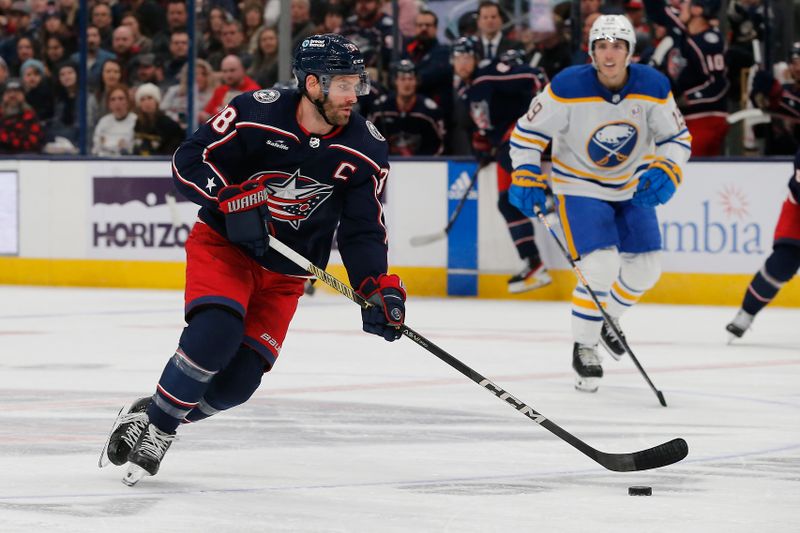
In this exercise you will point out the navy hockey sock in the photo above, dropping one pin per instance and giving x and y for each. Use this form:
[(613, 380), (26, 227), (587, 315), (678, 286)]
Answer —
[(520, 228), (207, 344), (779, 268), (232, 386)]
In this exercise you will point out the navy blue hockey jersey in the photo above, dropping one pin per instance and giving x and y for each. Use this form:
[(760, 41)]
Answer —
[(416, 130), (498, 95), (314, 182), (701, 86)]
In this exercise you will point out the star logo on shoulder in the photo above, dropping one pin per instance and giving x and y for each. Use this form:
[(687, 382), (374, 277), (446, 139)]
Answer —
[(210, 184)]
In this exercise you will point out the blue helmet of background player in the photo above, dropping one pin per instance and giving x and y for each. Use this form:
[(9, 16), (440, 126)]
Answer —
[(328, 55), (512, 57), (404, 66), (710, 7), (464, 57), (465, 45)]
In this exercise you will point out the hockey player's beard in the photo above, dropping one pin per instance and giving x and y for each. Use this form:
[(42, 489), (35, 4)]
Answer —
[(332, 114)]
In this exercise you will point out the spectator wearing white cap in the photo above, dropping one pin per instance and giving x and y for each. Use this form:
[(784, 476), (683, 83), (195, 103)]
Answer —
[(154, 133)]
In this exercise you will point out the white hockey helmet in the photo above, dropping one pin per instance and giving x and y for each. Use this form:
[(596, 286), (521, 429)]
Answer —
[(611, 28)]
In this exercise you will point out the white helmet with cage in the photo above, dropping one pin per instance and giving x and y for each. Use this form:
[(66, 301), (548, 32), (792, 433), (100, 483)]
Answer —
[(612, 28)]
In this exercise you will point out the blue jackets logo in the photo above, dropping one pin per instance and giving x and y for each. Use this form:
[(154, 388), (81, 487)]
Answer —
[(292, 197), (612, 144)]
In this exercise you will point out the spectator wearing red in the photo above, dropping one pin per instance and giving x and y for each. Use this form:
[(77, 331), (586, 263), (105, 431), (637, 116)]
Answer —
[(20, 131), (234, 83), (124, 46)]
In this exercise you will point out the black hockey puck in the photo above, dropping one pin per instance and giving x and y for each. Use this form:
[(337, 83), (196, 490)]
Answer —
[(640, 490)]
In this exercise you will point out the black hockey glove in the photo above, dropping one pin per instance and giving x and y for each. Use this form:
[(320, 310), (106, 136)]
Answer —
[(794, 186), (388, 310), (247, 217)]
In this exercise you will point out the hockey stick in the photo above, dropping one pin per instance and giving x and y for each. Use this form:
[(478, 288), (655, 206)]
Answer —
[(662, 455), (758, 116), (606, 318), (421, 240)]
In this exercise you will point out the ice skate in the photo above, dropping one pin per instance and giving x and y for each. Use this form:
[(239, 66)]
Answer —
[(586, 363), (613, 345), (740, 323), (130, 422), (531, 277), (145, 457)]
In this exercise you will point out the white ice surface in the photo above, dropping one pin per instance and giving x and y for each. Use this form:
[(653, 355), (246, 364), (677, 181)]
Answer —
[(350, 433)]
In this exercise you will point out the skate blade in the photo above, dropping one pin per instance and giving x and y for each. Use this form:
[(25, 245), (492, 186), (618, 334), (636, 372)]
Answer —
[(614, 355), (587, 384), (519, 287), (134, 474), (103, 461)]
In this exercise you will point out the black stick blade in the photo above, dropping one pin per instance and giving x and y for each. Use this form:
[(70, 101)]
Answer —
[(661, 399), (662, 455)]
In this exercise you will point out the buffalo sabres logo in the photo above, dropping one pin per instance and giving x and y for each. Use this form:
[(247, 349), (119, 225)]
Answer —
[(293, 197), (612, 144), (266, 96)]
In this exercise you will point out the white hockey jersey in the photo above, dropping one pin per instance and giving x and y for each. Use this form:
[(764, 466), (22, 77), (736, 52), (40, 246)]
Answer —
[(602, 141)]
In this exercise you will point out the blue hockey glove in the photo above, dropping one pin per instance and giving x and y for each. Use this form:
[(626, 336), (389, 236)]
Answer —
[(247, 216), (527, 190), (657, 184), (388, 310)]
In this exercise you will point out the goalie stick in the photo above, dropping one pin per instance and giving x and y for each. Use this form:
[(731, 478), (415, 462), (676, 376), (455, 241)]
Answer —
[(421, 240), (606, 318), (664, 454)]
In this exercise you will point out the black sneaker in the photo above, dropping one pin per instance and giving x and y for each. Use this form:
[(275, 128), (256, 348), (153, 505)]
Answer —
[(130, 422), (586, 363), (610, 342), (145, 457)]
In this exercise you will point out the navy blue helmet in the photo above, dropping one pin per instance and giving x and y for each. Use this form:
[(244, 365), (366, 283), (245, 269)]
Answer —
[(328, 55), (512, 57), (404, 66), (465, 45)]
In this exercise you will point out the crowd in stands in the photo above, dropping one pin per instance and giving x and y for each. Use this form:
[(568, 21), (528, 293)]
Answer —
[(138, 49)]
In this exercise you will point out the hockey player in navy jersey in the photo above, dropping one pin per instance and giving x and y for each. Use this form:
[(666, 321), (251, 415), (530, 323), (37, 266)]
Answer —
[(411, 122), (618, 145), (782, 101), (782, 264), (701, 86), (495, 96), (289, 163)]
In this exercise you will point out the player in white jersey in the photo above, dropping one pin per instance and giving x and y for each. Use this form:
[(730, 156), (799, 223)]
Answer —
[(618, 145)]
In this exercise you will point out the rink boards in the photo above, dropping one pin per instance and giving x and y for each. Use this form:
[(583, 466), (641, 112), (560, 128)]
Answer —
[(108, 223)]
